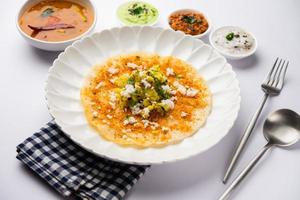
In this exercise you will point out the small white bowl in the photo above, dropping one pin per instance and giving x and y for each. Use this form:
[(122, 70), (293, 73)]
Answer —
[(48, 45), (196, 11), (127, 24), (233, 56)]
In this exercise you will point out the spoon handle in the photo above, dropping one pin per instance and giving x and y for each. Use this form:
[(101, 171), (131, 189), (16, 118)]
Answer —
[(244, 139), (245, 172)]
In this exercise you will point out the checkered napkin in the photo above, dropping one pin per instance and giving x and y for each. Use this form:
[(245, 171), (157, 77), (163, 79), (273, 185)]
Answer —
[(73, 171)]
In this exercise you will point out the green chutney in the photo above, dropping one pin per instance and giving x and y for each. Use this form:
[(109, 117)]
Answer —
[(137, 13)]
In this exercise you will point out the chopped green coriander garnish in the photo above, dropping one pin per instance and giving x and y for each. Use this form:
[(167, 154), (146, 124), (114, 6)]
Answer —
[(136, 10), (230, 36), (189, 19)]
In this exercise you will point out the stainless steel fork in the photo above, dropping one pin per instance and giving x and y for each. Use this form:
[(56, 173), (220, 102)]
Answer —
[(271, 86)]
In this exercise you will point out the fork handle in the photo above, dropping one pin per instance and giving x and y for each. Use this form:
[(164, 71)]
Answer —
[(245, 172), (244, 139)]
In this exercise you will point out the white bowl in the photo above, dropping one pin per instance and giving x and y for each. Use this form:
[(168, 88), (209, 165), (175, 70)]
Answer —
[(192, 10), (233, 56), (66, 77), (48, 45)]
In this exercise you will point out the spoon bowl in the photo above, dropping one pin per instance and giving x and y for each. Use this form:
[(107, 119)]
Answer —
[(282, 128)]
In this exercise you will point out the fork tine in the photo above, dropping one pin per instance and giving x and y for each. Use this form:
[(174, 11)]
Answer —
[(286, 66), (277, 76), (282, 76), (274, 72), (271, 71)]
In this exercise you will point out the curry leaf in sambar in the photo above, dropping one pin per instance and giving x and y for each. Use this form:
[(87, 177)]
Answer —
[(47, 12)]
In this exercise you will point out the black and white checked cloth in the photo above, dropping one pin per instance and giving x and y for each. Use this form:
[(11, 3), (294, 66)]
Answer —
[(73, 171)]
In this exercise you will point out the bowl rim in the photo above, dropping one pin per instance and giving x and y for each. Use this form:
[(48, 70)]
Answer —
[(130, 1), (233, 56), (21, 9), (193, 10)]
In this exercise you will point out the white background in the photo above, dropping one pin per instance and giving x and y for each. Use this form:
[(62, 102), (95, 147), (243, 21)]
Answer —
[(275, 23)]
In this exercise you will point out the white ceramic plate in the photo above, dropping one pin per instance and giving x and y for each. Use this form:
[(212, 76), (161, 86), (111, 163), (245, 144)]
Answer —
[(70, 68)]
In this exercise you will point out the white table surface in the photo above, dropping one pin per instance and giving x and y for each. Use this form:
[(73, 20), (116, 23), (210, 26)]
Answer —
[(275, 23)]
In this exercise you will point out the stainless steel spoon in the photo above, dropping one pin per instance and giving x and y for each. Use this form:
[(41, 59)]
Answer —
[(282, 129)]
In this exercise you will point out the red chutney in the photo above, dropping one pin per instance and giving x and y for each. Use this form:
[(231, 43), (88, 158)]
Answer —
[(189, 22)]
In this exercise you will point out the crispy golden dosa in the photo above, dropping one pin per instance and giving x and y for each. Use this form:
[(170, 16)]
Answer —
[(101, 97)]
